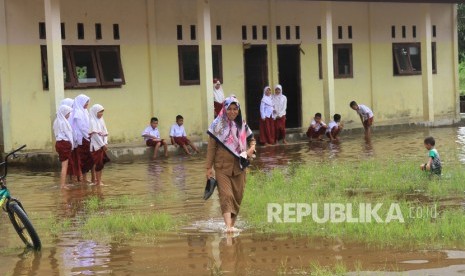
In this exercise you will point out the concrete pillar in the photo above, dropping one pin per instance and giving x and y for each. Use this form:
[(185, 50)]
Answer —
[(153, 59), (327, 59), (427, 66), (56, 88), (205, 62), (371, 34), (455, 60), (272, 45), (5, 124)]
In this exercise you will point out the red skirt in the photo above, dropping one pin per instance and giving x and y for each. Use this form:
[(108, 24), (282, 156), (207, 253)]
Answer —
[(64, 149), (267, 132), (85, 157), (280, 126), (181, 140), (217, 106), (74, 164), (100, 158)]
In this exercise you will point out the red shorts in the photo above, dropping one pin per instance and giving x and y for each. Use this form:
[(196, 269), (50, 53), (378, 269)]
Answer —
[(367, 123), (152, 143), (64, 149), (181, 140), (311, 133)]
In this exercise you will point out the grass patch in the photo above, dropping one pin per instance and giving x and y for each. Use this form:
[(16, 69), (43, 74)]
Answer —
[(119, 226), (117, 219), (357, 184)]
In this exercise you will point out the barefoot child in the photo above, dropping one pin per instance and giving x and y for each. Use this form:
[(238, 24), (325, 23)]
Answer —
[(98, 141), (152, 138), (317, 128), (64, 141), (434, 162), (334, 128), (366, 116), (179, 137)]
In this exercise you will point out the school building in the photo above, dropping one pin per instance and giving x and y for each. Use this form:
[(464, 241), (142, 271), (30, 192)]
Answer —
[(145, 58)]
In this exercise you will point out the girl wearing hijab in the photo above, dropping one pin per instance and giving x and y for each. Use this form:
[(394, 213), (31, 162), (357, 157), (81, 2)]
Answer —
[(267, 132), (279, 113), (218, 96), (98, 141), (64, 141), (227, 153), (67, 101), (81, 125)]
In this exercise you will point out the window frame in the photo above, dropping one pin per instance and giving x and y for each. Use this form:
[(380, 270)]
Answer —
[(336, 48), (69, 63), (219, 51), (396, 64), (181, 50)]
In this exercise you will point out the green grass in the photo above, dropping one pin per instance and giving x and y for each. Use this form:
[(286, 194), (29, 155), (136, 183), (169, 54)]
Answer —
[(358, 183), (462, 77)]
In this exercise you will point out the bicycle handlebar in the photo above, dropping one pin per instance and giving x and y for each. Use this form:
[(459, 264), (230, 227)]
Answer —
[(4, 163)]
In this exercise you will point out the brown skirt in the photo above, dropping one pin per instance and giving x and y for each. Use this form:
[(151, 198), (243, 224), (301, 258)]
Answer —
[(231, 191)]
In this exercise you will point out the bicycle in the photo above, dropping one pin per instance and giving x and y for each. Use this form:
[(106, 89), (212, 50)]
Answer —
[(15, 209)]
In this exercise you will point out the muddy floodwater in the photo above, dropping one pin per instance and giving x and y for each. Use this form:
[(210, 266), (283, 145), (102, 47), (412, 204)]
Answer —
[(175, 185)]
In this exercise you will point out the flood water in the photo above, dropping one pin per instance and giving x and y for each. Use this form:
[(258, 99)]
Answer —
[(175, 185)]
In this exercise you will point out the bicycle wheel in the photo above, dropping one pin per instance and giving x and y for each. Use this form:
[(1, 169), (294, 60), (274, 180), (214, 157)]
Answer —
[(23, 226)]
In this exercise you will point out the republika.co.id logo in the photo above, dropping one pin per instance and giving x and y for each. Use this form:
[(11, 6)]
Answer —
[(339, 212)]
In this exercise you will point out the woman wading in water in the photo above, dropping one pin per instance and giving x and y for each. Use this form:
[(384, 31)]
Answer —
[(227, 153)]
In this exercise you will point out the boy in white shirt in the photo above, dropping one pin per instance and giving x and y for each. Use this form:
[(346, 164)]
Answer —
[(152, 138), (317, 128), (334, 128), (366, 116), (178, 136)]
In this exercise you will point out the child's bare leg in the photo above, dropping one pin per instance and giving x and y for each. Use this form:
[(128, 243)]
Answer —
[(64, 171), (193, 147), (165, 148), (92, 173), (155, 150), (186, 149), (98, 177)]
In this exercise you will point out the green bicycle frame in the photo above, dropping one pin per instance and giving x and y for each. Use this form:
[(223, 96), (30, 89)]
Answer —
[(4, 194)]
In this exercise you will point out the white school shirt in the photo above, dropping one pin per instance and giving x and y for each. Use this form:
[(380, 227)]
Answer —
[(177, 131), (280, 105), (152, 132), (266, 110), (318, 126), (365, 112), (331, 125)]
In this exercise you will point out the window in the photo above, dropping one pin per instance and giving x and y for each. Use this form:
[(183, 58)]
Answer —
[(179, 32), (217, 60), (264, 33), (93, 67), (80, 30), (320, 61), (244, 32), (407, 58), (218, 32), (342, 56), (188, 58), (254, 32), (278, 32), (433, 53)]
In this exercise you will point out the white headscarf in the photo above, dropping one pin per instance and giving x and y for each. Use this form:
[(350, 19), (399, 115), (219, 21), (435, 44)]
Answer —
[(80, 119), (98, 129), (280, 103), (61, 124), (218, 94), (267, 99), (67, 101)]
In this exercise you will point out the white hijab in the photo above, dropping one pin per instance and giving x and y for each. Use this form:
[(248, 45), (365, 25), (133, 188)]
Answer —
[(67, 101), (218, 94), (98, 125), (280, 102), (61, 124), (267, 99), (80, 118)]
